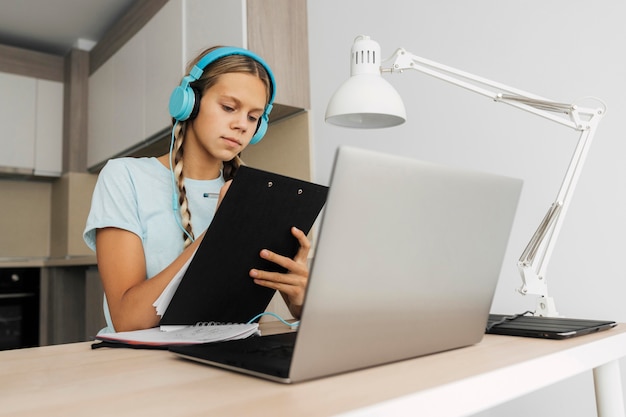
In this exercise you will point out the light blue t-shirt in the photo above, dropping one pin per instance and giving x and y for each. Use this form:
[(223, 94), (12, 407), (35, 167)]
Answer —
[(137, 194)]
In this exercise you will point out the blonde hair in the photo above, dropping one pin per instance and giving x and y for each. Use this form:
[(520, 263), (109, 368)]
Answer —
[(210, 75)]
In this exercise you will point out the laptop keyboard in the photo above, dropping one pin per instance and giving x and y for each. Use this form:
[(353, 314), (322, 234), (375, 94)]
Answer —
[(275, 347), (265, 354)]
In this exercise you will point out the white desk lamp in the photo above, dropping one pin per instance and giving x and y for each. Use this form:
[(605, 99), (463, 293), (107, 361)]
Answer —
[(368, 101)]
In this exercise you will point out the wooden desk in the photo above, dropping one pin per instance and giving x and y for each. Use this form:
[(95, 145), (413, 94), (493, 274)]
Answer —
[(73, 380)]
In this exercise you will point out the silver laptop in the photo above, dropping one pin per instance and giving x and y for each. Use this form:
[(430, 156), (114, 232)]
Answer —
[(407, 261)]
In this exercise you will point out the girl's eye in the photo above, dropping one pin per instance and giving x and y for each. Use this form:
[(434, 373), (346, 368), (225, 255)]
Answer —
[(253, 119), (227, 108)]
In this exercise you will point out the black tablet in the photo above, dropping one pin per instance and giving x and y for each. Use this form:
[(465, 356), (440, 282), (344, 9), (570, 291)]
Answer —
[(544, 327)]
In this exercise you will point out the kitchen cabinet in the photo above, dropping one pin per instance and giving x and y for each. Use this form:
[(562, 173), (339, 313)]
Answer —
[(17, 112), (49, 129), (116, 103), (129, 93), (31, 113)]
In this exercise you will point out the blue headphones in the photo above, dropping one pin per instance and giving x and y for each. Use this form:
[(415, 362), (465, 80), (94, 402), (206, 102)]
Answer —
[(185, 101)]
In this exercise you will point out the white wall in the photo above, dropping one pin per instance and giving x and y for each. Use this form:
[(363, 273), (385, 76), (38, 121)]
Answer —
[(561, 49)]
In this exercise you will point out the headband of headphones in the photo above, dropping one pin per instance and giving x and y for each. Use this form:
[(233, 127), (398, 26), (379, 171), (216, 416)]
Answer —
[(184, 101)]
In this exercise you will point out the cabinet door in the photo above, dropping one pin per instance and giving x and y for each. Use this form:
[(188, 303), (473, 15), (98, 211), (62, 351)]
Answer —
[(213, 22), (17, 118), (127, 125), (116, 103), (279, 33), (129, 94), (163, 67), (49, 134)]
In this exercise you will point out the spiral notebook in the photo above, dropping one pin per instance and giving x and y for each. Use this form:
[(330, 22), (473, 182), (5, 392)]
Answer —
[(189, 335), (257, 213)]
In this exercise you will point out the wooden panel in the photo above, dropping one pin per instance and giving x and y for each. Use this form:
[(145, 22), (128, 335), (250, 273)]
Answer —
[(25, 223), (78, 206), (75, 111), (59, 216), (284, 149), (30, 63), (94, 313), (44, 306), (74, 380), (277, 30), (65, 300), (71, 201)]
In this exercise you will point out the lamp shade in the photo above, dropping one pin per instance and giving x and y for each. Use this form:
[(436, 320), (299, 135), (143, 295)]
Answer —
[(366, 100)]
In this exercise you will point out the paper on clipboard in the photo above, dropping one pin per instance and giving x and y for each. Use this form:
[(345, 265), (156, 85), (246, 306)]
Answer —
[(164, 299)]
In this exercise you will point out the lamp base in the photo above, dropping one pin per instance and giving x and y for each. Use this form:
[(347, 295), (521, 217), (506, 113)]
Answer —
[(546, 308)]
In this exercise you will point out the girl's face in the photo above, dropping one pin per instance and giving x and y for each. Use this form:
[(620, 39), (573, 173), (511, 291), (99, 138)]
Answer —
[(228, 117)]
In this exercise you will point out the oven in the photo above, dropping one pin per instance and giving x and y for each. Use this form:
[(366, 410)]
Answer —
[(19, 307)]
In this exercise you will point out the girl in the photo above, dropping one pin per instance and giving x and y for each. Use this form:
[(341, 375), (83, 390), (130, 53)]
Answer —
[(148, 215)]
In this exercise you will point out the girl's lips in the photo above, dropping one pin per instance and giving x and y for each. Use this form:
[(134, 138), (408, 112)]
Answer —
[(232, 141)]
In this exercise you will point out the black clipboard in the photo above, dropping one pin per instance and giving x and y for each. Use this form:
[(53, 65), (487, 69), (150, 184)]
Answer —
[(257, 212)]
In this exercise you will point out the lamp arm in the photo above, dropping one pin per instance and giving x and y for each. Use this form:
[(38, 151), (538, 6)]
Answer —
[(534, 260), (562, 113)]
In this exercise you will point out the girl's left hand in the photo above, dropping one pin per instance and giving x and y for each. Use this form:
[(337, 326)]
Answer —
[(291, 284)]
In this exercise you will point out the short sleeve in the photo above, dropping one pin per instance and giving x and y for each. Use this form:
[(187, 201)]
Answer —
[(114, 202)]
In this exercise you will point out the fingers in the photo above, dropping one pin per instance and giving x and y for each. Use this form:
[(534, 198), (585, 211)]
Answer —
[(305, 245), (293, 268), (296, 265), (292, 283), (291, 286)]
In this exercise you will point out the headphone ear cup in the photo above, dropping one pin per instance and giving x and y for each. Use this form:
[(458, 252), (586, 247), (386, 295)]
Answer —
[(260, 130), (182, 103), (196, 103)]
